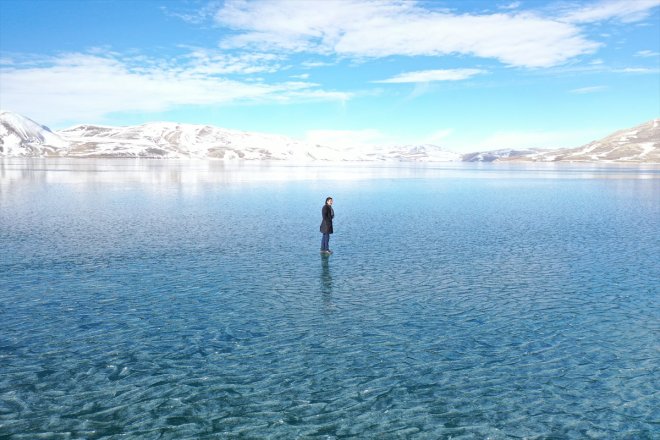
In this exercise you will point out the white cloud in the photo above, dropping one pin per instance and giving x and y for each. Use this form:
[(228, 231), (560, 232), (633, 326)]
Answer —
[(647, 54), (197, 17), (636, 70), (512, 5), (361, 29), (625, 11), (87, 87), (315, 64), (585, 90), (208, 62), (433, 75)]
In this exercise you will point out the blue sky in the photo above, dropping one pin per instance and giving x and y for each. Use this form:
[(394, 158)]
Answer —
[(465, 75)]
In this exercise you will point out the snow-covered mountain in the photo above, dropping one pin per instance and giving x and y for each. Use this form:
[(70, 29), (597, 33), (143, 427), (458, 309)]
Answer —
[(21, 136), (24, 137), (636, 144), (411, 153), (171, 140), (495, 155)]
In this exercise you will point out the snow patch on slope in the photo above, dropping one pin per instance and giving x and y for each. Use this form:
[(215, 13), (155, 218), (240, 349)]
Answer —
[(21, 136)]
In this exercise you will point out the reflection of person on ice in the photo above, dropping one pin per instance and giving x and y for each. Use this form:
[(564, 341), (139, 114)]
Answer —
[(326, 226)]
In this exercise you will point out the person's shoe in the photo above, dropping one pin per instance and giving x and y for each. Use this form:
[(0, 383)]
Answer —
[(324, 252)]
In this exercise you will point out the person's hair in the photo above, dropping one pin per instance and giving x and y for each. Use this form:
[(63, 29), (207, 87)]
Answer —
[(326, 200)]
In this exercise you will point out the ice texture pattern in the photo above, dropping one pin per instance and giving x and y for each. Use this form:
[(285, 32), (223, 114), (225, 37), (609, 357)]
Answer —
[(151, 300)]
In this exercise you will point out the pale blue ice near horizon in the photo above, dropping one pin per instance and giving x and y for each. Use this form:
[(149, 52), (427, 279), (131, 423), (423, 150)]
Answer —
[(188, 300)]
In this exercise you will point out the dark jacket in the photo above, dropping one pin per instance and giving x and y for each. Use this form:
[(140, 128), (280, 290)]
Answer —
[(328, 214)]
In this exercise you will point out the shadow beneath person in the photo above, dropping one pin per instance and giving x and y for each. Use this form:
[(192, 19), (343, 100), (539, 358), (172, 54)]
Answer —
[(326, 276), (326, 281)]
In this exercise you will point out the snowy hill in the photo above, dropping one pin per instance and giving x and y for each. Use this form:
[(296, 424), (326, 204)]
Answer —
[(411, 153), (640, 144), (171, 140), (24, 137), (495, 155), (21, 136)]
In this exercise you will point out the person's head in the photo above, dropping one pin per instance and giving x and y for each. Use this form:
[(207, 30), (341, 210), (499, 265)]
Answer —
[(328, 201)]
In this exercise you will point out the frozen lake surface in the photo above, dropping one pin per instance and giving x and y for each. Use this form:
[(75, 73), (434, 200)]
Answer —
[(174, 300)]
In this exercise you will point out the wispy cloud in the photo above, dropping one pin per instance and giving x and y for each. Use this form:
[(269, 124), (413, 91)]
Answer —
[(635, 70), (200, 61), (83, 86), (586, 90), (647, 54), (359, 29), (512, 5), (625, 11), (198, 16), (301, 76), (423, 76), (315, 64)]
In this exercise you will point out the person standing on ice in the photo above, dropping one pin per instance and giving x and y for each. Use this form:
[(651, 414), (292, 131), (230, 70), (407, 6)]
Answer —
[(326, 225)]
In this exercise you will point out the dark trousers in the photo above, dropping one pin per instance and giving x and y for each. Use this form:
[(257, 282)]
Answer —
[(325, 242)]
